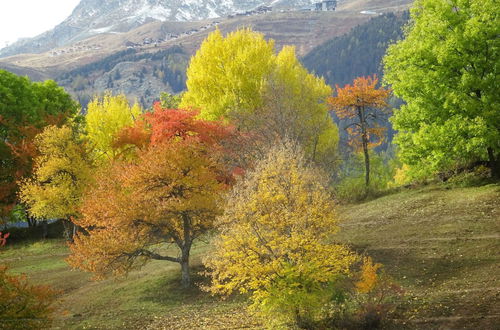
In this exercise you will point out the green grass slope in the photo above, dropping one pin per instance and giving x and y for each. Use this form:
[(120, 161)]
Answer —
[(440, 244)]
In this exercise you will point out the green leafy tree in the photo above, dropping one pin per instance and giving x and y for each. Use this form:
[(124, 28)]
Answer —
[(447, 72), (25, 109), (170, 101)]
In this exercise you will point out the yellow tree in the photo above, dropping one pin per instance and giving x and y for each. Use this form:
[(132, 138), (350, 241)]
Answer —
[(61, 173), (294, 107), (239, 77), (363, 104), (226, 74), (106, 117), (275, 237)]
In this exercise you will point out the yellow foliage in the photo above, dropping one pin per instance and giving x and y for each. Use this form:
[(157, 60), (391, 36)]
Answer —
[(226, 74), (401, 177), (278, 221), (61, 173), (369, 277), (106, 117), (239, 78)]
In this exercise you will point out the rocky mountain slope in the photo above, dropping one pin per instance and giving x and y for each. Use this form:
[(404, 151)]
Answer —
[(93, 17), (153, 57)]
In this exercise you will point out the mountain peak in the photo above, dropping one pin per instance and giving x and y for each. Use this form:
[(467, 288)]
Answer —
[(93, 17)]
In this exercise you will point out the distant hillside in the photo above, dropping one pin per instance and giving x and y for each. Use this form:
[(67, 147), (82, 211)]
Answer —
[(140, 75), (153, 57), (357, 53), (94, 17)]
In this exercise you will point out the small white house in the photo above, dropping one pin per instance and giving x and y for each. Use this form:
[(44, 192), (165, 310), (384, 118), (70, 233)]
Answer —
[(326, 5)]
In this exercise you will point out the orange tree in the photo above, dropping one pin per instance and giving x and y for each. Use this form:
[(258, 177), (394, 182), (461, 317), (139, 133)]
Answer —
[(363, 104), (168, 193)]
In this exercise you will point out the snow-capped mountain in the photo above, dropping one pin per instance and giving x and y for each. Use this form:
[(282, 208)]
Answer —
[(93, 17)]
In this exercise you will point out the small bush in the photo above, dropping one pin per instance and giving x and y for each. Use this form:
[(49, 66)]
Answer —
[(370, 302), (473, 177), (22, 305)]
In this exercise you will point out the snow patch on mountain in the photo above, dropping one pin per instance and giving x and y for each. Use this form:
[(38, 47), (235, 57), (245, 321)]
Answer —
[(93, 17)]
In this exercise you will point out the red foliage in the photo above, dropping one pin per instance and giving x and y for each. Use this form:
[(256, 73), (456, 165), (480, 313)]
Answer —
[(23, 151), (3, 239), (167, 124)]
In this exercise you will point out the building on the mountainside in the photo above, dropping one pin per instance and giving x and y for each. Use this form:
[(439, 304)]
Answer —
[(326, 5)]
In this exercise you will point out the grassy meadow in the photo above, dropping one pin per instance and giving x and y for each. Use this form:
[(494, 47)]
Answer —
[(439, 243)]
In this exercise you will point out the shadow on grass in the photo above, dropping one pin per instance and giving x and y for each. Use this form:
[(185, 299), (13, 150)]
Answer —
[(425, 271), (169, 291)]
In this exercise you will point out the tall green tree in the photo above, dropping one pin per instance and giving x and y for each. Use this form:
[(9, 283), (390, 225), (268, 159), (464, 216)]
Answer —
[(447, 72)]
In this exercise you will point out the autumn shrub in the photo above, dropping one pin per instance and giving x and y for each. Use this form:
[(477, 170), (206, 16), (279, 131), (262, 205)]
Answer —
[(368, 299), (22, 305), (275, 240)]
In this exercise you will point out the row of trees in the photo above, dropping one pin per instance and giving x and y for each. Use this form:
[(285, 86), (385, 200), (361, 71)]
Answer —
[(130, 184)]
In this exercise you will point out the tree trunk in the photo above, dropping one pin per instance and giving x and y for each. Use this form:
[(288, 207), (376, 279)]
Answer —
[(31, 221), (186, 248), (494, 163), (68, 230), (185, 276), (367, 164), (364, 142), (45, 231)]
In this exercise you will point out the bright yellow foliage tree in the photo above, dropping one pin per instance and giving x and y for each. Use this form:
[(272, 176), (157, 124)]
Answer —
[(276, 232), (226, 74), (240, 78), (106, 117), (294, 107), (61, 174)]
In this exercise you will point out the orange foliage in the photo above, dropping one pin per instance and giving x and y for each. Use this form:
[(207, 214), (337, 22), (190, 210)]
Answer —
[(368, 277), (137, 136), (169, 193), (167, 124), (22, 305), (361, 102), (3, 239)]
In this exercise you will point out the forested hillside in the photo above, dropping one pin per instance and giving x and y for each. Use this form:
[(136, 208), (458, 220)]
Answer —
[(140, 75), (357, 53)]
